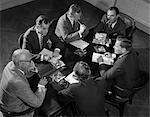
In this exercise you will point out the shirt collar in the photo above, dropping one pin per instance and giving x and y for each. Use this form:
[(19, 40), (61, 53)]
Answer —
[(123, 54), (21, 71), (113, 24)]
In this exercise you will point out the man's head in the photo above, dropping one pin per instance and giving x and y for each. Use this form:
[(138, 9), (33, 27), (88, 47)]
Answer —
[(112, 14), (75, 12), (82, 70), (122, 45), (42, 25), (22, 60)]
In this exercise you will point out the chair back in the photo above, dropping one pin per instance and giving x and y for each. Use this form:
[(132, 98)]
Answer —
[(52, 26), (20, 40), (130, 24)]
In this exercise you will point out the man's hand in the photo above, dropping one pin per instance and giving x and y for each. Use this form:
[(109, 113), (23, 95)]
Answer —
[(82, 28), (100, 59), (43, 81), (46, 58), (49, 43)]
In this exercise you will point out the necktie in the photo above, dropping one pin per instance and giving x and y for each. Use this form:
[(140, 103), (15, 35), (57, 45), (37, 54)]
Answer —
[(41, 41)]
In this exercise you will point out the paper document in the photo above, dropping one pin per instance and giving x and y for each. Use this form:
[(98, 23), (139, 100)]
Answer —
[(71, 78), (80, 44), (46, 52), (106, 60)]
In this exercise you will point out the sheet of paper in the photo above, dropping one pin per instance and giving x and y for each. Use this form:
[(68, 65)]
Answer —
[(80, 44), (46, 52), (71, 78), (107, 61)]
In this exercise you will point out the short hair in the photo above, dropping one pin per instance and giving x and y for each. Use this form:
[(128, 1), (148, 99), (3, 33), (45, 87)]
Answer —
[(115, 9), (19, 55), (125, 42), (74, 8), (42, 19), (82, 70)]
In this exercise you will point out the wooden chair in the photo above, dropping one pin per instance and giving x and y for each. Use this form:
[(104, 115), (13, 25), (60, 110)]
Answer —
[(130, 24), (20, 40), (112, 97)]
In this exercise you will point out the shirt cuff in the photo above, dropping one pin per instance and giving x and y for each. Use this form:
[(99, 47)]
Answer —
[(80, 34), (39, 85), (42, 57)]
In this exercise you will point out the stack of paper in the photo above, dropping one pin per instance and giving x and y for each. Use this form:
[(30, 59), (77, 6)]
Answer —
[(79, 44), (71, 78)]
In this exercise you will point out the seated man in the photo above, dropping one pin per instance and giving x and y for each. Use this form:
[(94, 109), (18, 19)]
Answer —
[(70, 27), (125, 71), (111, 24), (15, 92), (88, 93), (36, 38)]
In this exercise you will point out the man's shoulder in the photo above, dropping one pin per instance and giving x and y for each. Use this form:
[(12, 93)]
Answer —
[(121, 22), (30, 31), (63, 18)]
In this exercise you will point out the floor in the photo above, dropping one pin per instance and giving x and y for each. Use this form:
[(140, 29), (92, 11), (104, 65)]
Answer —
[(15, 21)]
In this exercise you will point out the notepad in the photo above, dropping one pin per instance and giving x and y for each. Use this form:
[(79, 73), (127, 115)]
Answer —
[(71, 78), (80, 44), (46, 52)]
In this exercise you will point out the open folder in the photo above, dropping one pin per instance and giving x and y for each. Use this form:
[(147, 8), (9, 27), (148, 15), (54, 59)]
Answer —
[(79, 44), (106, 60)]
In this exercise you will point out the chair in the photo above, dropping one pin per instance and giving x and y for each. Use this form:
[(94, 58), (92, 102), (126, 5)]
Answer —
[(112, 97), (20, 40), (130, 24), (52, 26)]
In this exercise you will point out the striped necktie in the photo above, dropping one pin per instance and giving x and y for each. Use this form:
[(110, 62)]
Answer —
[(41, 41)]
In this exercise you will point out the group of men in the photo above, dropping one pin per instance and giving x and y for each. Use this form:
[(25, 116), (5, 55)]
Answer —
[(15, 92)]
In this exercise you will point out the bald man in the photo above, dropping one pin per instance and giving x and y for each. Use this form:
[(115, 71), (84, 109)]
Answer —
[(15, 92)]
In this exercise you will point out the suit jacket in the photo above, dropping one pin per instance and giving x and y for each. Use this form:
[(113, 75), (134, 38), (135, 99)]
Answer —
[(88, 96), (125, 71), (31, 41), (119, 28), (65, 31), (15, 91)]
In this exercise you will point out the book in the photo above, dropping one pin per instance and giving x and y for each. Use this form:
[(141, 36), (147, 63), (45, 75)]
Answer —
[(79, 44)]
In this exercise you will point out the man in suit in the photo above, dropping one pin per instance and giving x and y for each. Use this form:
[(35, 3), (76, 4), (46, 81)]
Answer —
[(15, 92), (111, 23), (87, 93), (36, 38), (125, 71), (70, 26)]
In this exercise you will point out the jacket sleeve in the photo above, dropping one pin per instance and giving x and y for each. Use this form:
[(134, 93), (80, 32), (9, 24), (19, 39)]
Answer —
[(24, 93), (116, 70), (66, 33)]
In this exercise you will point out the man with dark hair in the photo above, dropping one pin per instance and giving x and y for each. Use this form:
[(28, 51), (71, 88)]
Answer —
[(16, 95), (88, 93), (111, 23), (125, 71), (36, 38), (70, 27)]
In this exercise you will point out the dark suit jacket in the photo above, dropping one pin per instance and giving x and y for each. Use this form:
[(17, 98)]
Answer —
[(119, 27), (31, 41), (65, 31), (125, 71), (89, 96), (15, 91)]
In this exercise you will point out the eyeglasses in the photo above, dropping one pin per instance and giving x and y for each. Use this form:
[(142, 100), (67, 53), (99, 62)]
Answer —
[(25, 61)]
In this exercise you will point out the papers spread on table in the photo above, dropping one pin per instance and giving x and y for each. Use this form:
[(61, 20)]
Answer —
[(106, 60), (46, 52), (79, 44), (71, 78), (100, 38)]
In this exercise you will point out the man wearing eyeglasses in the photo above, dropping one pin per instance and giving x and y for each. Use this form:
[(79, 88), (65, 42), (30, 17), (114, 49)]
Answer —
[(16, 95)]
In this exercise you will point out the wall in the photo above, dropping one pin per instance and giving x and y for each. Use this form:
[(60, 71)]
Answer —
[(137, 9), (5, 4)]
